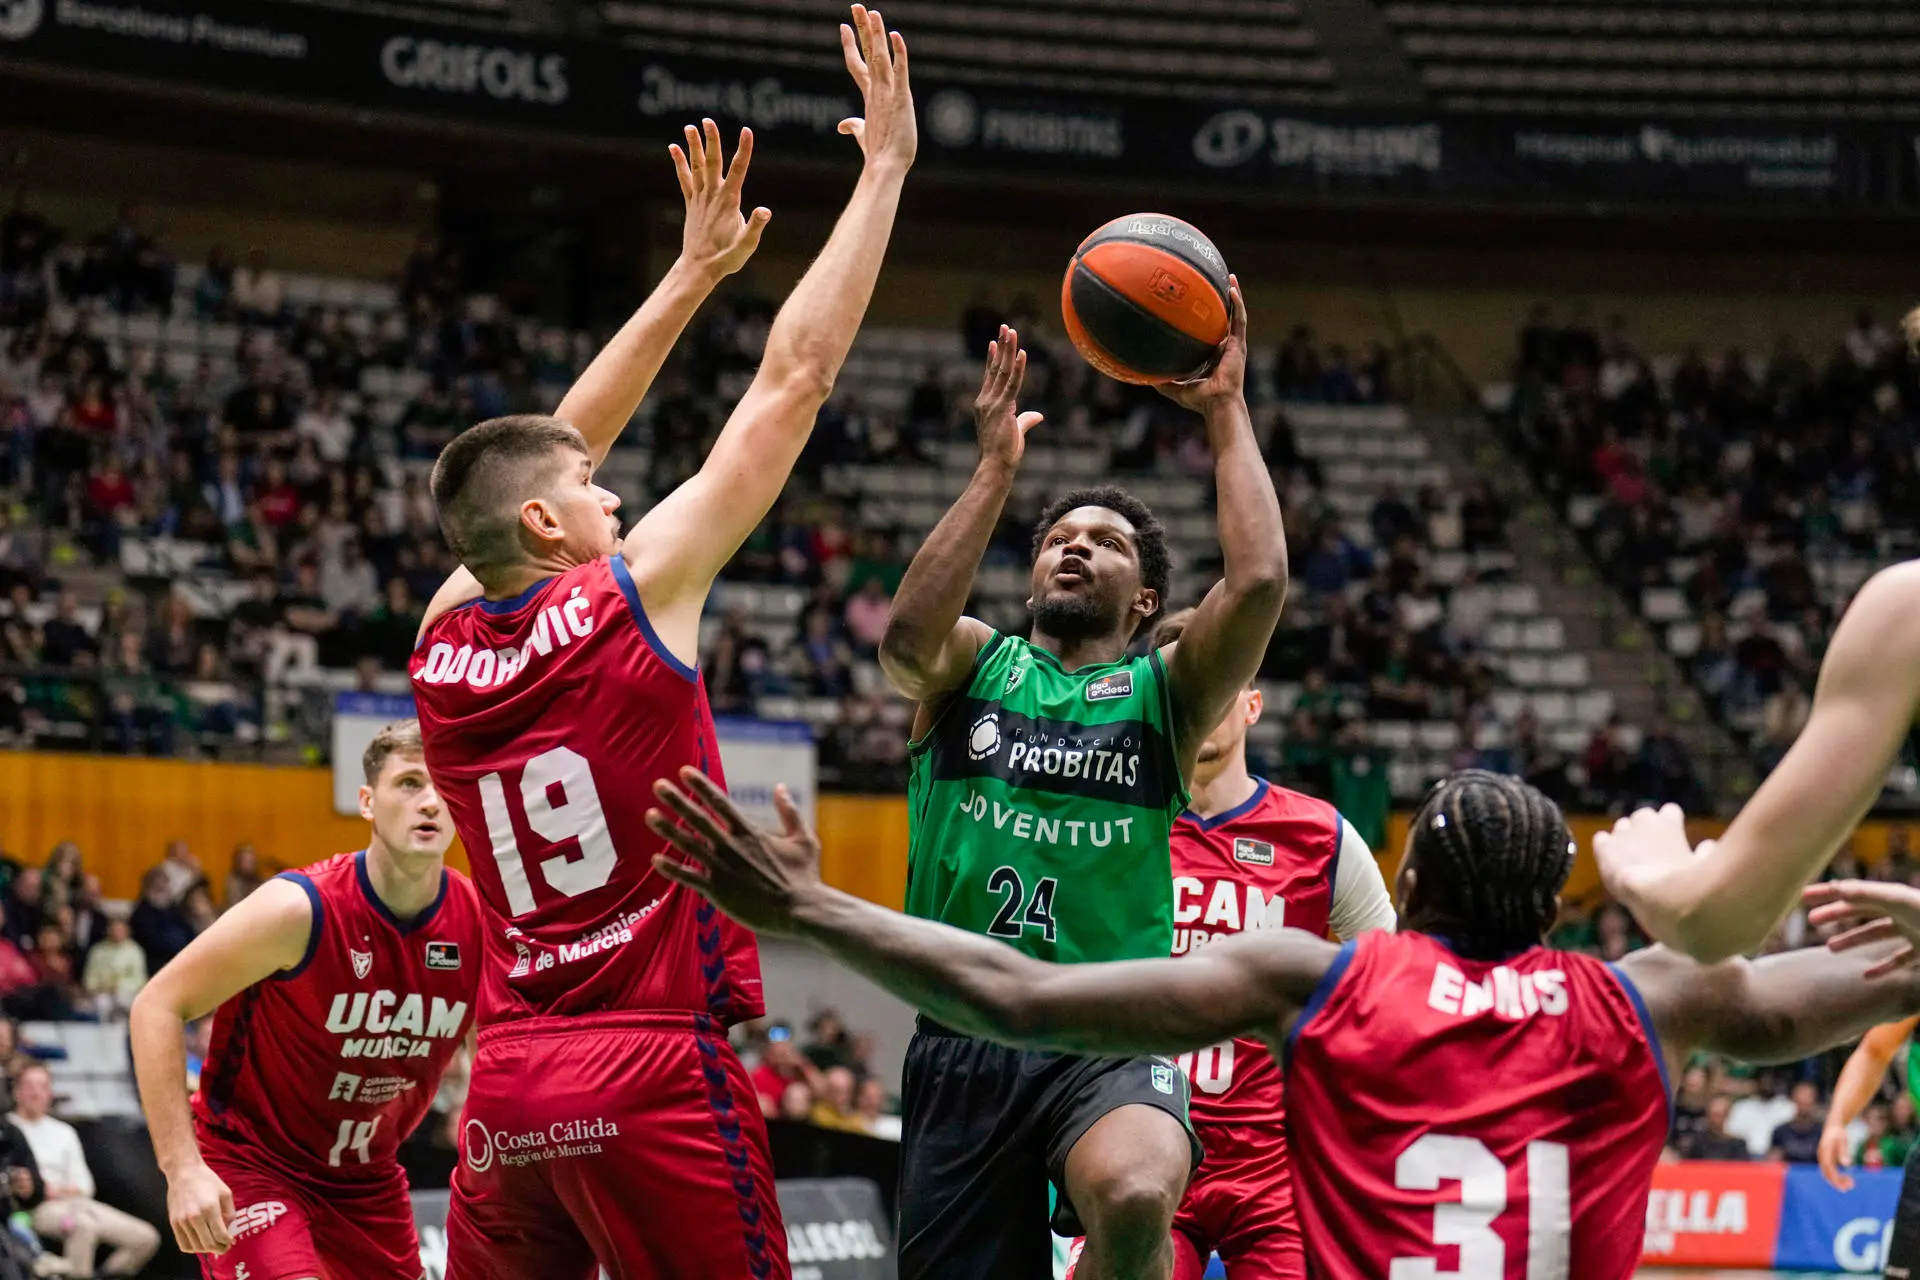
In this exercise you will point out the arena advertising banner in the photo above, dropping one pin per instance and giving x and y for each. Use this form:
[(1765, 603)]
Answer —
[(759, 755), (835, 1230), (623, 91), (1766, 1215), (356, 718)]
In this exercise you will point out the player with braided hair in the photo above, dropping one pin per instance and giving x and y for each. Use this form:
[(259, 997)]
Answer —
[(1524, 1139)]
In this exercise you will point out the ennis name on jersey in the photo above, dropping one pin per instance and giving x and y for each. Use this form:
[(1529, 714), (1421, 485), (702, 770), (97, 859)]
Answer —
[(547, 718), (330, 1065), (1527, 1149), (1042, 801)]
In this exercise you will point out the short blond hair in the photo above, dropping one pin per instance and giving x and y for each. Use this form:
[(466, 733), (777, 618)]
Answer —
[(1910, 325), (402, 737)]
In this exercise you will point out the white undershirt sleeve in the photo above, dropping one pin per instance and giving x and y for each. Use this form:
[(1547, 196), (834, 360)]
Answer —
[(1360, 899)]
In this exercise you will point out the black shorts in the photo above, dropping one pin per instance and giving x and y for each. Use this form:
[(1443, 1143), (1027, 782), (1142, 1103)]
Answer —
[(1903, 1246), (985, 1129)]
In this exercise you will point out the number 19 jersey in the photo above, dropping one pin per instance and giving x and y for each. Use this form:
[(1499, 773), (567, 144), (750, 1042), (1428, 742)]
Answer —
[(1490, 1118), (547, 718)]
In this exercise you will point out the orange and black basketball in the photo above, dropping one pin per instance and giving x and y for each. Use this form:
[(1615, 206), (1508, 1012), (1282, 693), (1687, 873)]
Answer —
[(1145, 299)]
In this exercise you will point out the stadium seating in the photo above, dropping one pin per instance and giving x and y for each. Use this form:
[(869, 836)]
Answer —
[(1832, 57)]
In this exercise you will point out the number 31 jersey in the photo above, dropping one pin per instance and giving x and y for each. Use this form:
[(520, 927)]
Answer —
[(547, 719), (1490, 1118)]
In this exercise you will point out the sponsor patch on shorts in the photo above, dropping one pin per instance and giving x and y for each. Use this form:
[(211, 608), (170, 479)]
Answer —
[(1163, 1079)]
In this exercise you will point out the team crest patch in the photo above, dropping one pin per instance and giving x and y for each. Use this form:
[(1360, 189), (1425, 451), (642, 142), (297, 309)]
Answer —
[(362, 962), (1115, 684), (1257, 852), (443, 955), (1163, 1078), (1014, 677)]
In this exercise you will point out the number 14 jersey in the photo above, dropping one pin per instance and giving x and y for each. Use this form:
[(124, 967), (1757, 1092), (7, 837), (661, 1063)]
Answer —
[(547, 718)]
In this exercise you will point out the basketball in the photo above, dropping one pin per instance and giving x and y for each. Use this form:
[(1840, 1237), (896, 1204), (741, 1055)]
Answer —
[(1145, 299)]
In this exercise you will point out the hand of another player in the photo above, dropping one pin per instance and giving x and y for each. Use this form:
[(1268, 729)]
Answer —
[(877, 60), (1227, 379), (716, 239), (1865, 912), (1003, 430), (754, 875), (1639, 858), (199, 1206), (1835, 1155)]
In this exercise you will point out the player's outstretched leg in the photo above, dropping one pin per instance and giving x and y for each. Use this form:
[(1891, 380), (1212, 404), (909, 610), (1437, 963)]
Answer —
[(1125, 1177), (1903, 1246)]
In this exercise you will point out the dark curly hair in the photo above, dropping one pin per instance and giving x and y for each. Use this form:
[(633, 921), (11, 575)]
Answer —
[(1491, 853), (1149, 535)]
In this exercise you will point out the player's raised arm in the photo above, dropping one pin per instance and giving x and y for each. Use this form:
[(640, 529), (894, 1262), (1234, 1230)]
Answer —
[(679, 548), (264, 935), (715, 241), (1220, 651), (1779, 1008), (1859, 1081), (1728, 900), (1249, 984), (929, 647)]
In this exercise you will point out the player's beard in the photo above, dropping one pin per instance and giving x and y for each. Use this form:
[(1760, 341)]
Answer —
[(1069, 617)]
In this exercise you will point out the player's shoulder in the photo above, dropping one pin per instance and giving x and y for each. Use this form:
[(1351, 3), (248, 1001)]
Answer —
[(329, 873), (1891, 598), (605, 577)]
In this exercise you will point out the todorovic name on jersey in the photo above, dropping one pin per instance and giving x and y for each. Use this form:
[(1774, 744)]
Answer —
[(1122, 762), (556, 627), (396, 1026), (1209, 908), (1503, 993)]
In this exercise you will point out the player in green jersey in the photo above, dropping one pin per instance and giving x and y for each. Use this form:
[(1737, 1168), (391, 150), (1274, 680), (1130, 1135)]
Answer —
[(1047, 773)]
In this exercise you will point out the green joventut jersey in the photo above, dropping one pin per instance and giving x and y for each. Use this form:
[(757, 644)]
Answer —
[(1042, 804)]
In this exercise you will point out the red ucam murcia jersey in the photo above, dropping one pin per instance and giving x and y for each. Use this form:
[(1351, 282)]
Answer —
[(1492, 1118), (326, 1068), (547, 719), (1267, 863)]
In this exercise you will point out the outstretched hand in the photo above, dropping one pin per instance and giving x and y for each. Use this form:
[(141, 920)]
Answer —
[(758, 877), (1003, 430), (1227, 378), (1641, 854), (716, 238), (1868, 911), (877, 61)]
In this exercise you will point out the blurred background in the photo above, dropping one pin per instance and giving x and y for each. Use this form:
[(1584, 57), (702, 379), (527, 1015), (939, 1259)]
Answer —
[(1576, 365)]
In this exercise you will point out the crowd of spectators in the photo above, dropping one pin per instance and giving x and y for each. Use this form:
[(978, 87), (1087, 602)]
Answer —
[(1743, 484), (828, 1080)]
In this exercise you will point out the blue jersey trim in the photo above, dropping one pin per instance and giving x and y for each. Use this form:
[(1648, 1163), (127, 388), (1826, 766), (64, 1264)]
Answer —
[(512, 602), (319, 920), (373, 899), (1241, 810), (1322, 992), (1653, 1037), (624, 576)]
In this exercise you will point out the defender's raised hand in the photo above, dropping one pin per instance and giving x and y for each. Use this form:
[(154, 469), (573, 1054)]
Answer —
[(877, 60), (1868, 911), (1228, 376), (1003, 430), (716, 239), (758, 877)]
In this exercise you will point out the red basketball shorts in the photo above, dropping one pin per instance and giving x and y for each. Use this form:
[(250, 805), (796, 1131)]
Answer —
[(288, 1228), (628, 1141), (1239, 1205)]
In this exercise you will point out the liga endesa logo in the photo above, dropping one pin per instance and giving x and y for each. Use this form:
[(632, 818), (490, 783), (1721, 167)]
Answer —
[(483, 1147)]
